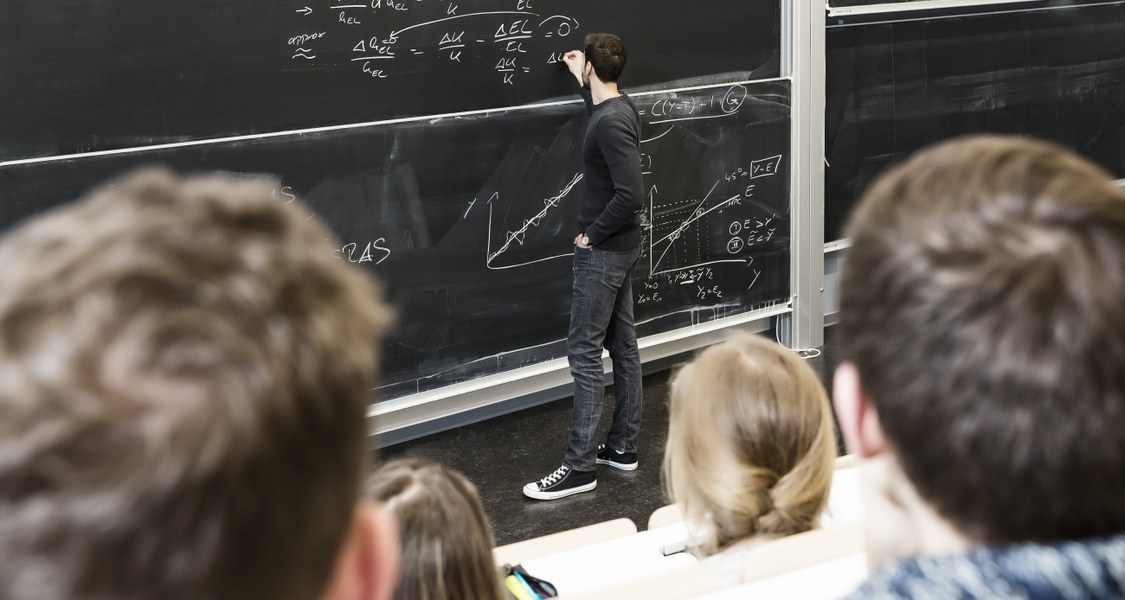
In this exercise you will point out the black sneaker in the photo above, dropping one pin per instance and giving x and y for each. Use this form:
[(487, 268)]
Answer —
[(560, 484), (626, 461)]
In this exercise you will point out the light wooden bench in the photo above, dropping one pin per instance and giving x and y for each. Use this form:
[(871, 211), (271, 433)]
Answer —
[(848, 461), (685, 581), (803, 550), (562, 541), (665, 516)]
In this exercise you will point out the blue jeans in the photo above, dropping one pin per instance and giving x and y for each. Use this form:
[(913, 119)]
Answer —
[(601, 315)]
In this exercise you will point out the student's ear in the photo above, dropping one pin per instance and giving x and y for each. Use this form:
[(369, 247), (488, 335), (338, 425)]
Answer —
[(367, 566), (859, 423)]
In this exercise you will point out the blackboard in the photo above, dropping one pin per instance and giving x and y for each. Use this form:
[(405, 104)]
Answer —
[(893, 88), (88, 75), (468, 220), (440, 139)]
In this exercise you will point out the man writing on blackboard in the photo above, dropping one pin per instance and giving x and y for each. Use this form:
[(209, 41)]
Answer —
[(606, 247)]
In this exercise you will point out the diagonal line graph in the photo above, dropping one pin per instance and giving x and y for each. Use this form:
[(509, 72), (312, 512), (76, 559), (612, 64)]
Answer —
[(696, 214), (652, 211), (518, 236)]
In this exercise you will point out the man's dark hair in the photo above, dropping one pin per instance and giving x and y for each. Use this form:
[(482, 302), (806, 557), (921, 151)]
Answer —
[(606, 53), (185, 370), (983, 304)]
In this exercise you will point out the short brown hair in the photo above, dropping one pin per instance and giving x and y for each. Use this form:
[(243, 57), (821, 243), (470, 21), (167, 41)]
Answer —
[(983, 305), (750, 444), (445, 536), (606, 53), (184, 375)]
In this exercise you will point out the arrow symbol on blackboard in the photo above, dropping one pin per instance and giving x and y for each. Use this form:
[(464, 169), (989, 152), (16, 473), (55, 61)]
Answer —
[(306, 10)]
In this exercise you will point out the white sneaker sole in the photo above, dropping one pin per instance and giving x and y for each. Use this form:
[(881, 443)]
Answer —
[(531, 491), (617, 465)]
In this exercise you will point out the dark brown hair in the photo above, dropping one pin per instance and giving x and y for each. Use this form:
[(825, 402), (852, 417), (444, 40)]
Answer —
[(606, 53), (445, 536), (184, 375), (983, 304)]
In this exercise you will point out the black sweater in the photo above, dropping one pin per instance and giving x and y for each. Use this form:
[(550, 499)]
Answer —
[(611, 157)]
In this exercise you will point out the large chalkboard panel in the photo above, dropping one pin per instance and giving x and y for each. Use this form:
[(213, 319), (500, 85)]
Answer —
[(83, 75), (859, 12), (469, 220), (894, 88)]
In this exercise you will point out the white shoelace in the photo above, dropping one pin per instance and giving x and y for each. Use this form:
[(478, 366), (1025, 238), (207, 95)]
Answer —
[(553, 477)]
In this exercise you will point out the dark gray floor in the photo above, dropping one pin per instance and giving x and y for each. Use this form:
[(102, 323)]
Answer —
[(502, 454)]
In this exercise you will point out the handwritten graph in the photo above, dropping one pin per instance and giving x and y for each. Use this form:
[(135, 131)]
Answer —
[(518, 237)]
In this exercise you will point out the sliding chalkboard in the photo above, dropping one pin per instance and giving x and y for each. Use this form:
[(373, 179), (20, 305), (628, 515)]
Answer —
[(893, 88), (87, 75), (842, 3), (860, 12), (469, 220)]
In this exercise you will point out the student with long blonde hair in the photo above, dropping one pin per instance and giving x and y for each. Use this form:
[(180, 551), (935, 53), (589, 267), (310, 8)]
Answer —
[(446, 540), (750, 449)]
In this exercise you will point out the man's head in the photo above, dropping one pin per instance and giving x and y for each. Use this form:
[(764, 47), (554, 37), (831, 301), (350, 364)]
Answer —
[(605, 57), (983, 311), (184, 375)]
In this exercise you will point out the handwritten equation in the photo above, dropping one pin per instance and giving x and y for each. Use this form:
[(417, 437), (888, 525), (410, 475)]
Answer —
[(662, 114), (379, 39), (688, 239)]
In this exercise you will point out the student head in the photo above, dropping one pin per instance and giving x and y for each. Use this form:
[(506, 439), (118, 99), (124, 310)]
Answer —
[(983, 305), (751, 442), (605, 57), (446, 540), (184, 375)]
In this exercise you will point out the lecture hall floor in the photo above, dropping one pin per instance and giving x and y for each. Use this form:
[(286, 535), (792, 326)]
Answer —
[(502, 454)]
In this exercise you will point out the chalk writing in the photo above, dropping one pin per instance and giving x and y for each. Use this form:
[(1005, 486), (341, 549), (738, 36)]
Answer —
[(686, 238), (371, 252), (765, 167), (694, 108), (519, 236), (440, 30)]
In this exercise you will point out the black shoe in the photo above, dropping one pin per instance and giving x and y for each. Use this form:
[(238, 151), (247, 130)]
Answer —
[(626, 461), (560, 484)]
